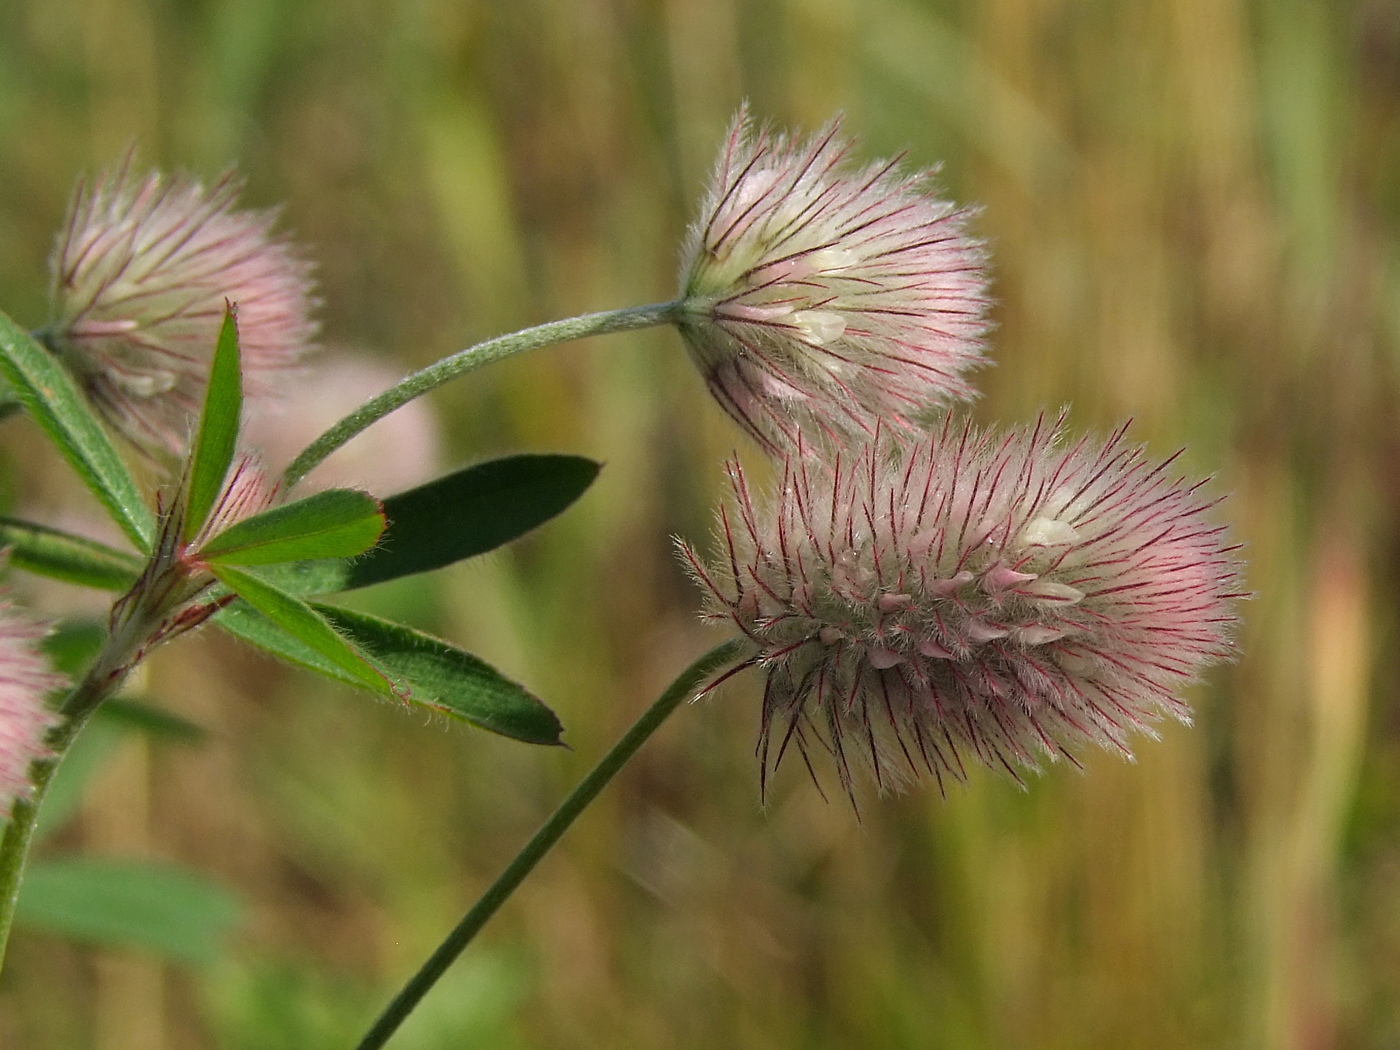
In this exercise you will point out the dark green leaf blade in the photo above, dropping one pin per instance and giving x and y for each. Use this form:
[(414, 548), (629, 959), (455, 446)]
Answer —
[(470, 512), (218, 426), (306, 625), (175, 913), (336, 523), (62, 556), (49, 395), (449, 679), (440, 677)]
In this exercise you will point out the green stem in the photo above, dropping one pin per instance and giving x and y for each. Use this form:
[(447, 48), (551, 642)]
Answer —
[(467, 360), (684, 687), (103, 678)]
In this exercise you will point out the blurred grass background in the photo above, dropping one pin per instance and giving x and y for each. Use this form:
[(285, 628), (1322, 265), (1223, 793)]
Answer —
[(1192, 207)]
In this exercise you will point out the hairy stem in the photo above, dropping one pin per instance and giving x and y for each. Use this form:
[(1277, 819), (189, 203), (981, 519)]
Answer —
[(684, 687), (467, 360), (103, 679)]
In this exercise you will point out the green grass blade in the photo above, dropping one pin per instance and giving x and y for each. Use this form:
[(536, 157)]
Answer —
[(50, 396)]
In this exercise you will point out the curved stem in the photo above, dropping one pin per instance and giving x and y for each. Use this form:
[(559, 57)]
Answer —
[(467, 360), (103, 678), (684, 687)]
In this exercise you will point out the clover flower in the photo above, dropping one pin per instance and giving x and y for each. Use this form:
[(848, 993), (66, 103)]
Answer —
[(25, 678), (820, 296), (141, 273), (982, 594)]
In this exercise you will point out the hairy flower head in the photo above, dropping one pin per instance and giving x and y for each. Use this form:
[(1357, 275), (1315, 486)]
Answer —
[(25, 678), (992, 595), (402, 450), (820, 296), (141, 273)]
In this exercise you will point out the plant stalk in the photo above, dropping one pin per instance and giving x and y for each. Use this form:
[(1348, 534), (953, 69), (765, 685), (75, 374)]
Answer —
[(464, 361), (684, 687), (104, 678)]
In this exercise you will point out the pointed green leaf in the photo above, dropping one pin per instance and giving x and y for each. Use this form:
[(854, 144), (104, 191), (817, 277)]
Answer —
[(73, 644), (481, 507), (449, 679), (247, 624), (218, 426), (439, 676), (151, 719), (470, 512), (63, 556), (305, 624), (50, 397), (336, 523), (173, 912)]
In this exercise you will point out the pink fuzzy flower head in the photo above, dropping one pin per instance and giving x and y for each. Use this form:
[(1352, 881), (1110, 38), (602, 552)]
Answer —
[(141, 272), (820, 296), (988, 595), (25, 678)]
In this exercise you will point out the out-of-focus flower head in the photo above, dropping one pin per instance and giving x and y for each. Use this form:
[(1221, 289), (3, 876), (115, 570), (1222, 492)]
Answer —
[(141, 273), (400, 451), (987, 595), (821, 296), (25, 678)]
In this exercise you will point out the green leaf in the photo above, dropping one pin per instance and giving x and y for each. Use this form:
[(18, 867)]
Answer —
[(112, 723), (151, 719), (336, 523), (63, 556), (173, 912), (481, 507), (449, 679), (88, 753), (50, 397), (73, 644), (439, 676), (309, 578), (247, 624), (218, 427), (470, 512), (306, 625)]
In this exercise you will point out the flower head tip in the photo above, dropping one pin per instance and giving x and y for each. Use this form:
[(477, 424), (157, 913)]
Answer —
[(820, 296)]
